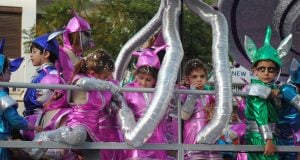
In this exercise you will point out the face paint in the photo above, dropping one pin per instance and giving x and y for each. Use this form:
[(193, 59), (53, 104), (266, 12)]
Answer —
[(85, 39), (43, 95)]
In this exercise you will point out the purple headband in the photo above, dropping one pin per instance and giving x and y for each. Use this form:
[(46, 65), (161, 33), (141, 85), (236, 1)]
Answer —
[(148, 57)]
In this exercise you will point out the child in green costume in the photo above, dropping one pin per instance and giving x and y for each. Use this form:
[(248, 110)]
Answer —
[(260, 112)]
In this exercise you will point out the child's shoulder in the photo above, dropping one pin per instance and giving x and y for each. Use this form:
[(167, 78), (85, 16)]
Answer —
[(131, 85), (8, 100)]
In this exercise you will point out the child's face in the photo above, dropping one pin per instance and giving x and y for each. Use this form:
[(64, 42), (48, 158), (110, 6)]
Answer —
[(197, 78), (36, 57), (43, 95), (145, 80), (266, 71)]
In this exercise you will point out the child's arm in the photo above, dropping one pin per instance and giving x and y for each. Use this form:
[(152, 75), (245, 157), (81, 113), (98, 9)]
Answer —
[(92, 83), (188, 107), (290, 94), (258, 110), (269, 147)]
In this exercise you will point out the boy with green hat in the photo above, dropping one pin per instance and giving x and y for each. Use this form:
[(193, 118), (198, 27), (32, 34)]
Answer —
[(260, 112)]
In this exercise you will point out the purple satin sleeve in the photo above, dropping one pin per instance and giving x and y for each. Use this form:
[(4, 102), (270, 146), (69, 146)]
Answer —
[(65, 64), (297, 138), (239, 129)]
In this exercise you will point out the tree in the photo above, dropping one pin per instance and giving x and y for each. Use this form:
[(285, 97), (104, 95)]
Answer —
[(114, 22)]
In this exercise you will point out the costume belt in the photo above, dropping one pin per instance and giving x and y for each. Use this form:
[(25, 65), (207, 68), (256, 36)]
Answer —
[(253, 127)]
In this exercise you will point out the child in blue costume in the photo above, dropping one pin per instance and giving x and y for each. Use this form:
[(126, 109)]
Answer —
[(261, 113), (43, 55), (9, 117), (289, 116)]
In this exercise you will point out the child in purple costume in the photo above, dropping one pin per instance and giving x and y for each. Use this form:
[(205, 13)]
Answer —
[(145, 77), (196, 109), (88, 119)]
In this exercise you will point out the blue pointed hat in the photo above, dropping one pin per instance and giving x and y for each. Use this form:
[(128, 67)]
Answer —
[(49, 45), (14, 64)]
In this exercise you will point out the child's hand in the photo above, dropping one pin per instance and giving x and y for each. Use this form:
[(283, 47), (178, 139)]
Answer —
[(269, 147), (274, 93), (38, 128)]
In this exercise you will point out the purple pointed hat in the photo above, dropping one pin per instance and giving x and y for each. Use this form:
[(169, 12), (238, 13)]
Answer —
[(148, 57), (75, 24)]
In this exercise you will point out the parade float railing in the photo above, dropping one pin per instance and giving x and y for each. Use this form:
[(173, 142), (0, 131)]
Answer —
[(96, 146)]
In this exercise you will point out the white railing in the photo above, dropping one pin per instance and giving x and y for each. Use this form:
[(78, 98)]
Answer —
[(96, 146)]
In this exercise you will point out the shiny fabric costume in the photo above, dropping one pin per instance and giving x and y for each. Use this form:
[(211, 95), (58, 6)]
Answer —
[(9, 118), (138, 102), (287, 129), (261, 112), (69, 55), (101, 124), (261, 118), (29, 99), (87, 120), (195, 123), (33, 108)]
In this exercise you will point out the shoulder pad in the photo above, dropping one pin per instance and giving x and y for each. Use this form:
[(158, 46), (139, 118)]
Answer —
[(259, 90), (6, 102)]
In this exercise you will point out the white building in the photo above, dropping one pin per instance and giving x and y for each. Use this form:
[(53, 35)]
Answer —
[(15, 16)]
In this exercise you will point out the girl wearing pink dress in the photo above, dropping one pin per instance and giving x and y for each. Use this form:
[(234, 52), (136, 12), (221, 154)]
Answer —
[(89, 119), (197, 109), (145, 77)]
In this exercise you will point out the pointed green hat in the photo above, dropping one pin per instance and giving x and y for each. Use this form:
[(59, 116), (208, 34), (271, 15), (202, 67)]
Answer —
[(267, 52)]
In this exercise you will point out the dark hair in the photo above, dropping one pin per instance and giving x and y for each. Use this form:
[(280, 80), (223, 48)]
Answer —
[(192, 65), (98, 61), (52, 57), (256, 63), (147, 70)]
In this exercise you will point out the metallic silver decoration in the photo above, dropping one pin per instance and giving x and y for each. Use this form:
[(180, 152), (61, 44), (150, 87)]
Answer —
[(166, 81), (125, 116), (167, 75), (266, 132), (285, 46), (259, 91), (221, 70), (93, 83), (189, 105), (137, 40), (296, 102), (6, 102)]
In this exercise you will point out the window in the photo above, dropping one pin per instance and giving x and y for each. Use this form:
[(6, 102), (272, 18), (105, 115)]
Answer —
[(11, 30)]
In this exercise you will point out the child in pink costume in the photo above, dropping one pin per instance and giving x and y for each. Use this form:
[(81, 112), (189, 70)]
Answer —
[(88, 118), (76, 39), (196, 108), (145, 77)]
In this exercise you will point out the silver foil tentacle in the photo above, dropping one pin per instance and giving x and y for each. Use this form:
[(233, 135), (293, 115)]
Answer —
[(137, 40), (166, 78), (222, 74)]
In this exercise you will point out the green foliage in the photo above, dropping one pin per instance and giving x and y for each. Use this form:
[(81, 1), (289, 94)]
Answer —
[(28, 36), (114, 22), (58, 13)]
